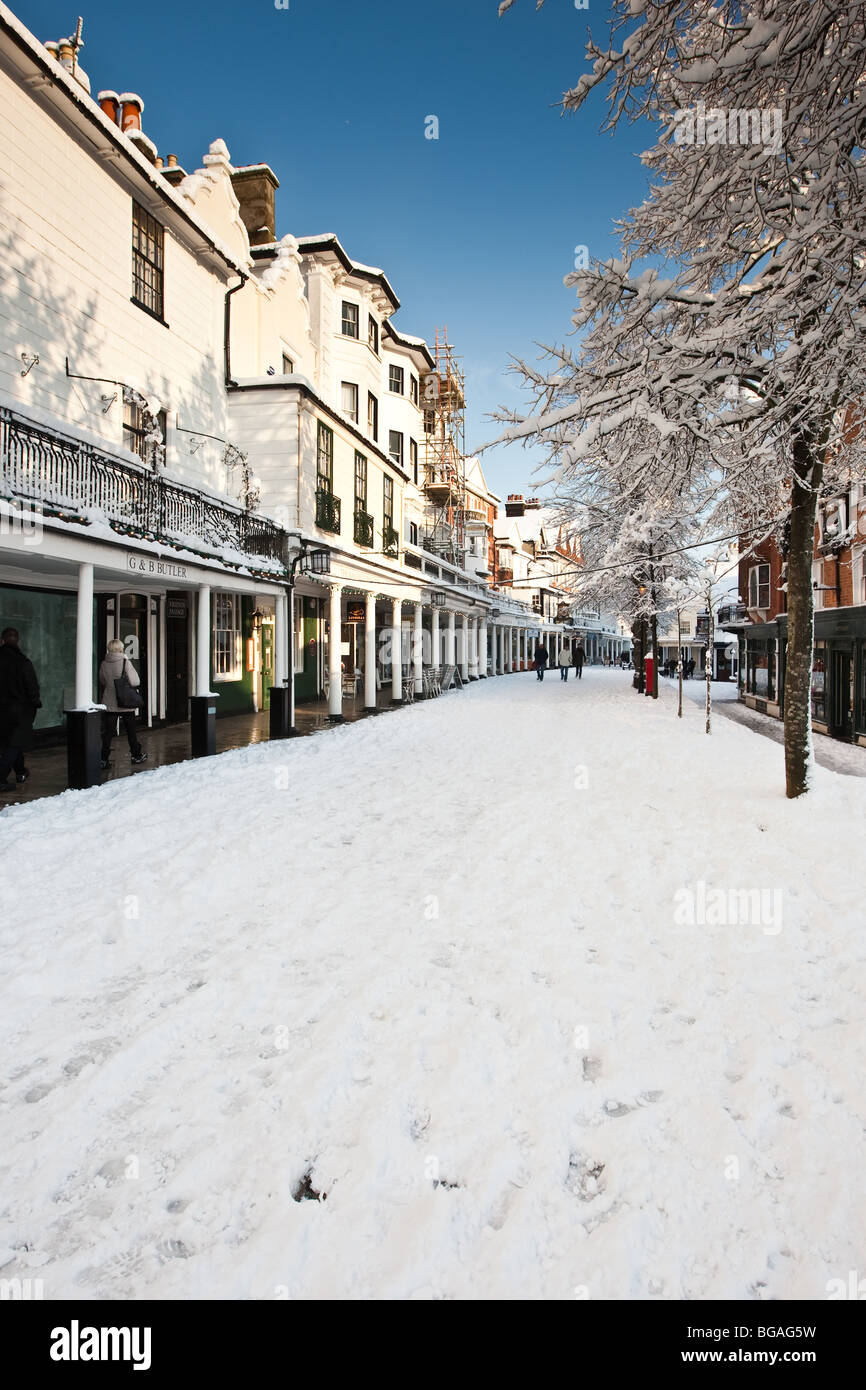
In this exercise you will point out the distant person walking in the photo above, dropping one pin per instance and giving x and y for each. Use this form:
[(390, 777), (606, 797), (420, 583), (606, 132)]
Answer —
[(19, 701), (541, 658), (564, 664), (123, 704), (579, 659)]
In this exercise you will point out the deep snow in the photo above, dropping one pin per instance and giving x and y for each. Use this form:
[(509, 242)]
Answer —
[(432, 959)]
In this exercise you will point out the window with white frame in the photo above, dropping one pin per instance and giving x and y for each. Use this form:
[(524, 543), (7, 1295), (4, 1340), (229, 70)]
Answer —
[(395, 380), (350, 319), (395, 446), (413, 389), (227, 637), (349, 393), (413, 459), (861, 576), (759, 586)]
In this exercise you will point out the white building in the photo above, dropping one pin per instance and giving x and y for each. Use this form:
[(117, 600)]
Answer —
[(538, 563), (188, 402)]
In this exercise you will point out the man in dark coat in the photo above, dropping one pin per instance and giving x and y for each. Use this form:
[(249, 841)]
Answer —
[(19, 701), (540, 660), (579, 659)]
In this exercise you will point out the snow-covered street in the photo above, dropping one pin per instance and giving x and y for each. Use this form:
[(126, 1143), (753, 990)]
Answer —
[(488, 1026)]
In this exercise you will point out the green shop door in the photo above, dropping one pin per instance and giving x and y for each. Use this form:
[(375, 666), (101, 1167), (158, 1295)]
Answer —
[(266, 660), (306, 654)]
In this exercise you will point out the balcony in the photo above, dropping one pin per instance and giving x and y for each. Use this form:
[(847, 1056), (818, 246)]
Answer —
[(730, 613), (390, 542), (327, 511), (70, 480), (364, 532)]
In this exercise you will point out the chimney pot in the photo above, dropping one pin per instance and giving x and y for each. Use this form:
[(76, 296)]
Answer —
[(172, 161), (110, 103), (131, 107)]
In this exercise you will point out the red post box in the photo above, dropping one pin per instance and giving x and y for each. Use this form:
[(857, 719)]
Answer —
[(649, 674)]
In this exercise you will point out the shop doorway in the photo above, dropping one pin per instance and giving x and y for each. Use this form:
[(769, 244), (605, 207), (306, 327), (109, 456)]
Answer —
[(177, 616), (264, 629), (842, 694)]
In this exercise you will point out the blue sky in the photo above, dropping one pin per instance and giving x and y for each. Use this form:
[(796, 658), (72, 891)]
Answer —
[(474, 230)]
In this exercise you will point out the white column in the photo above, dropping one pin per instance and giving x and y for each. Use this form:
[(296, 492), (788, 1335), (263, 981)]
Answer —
[(524, 638), (202, 642), (418, 653), (508, 647), (494, 649), (280, 642), (464, 647), (370, 652), (435, 638), (450, 643), (84, 639), (473, 649), (482, 649), (397, 650), (335, 643), (500, 664)]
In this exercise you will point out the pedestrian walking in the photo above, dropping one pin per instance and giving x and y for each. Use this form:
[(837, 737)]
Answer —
[(579, 659), (118, 687), (564, 663), (19, 701), (541, 656)]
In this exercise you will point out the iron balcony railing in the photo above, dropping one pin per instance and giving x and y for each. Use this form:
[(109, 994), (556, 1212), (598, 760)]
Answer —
[(327, 511), (63, 475), (732, 613), (364, 529), (390, 541)]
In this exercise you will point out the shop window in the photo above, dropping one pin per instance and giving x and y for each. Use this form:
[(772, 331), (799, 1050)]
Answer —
[(227, 637), (819, 682)]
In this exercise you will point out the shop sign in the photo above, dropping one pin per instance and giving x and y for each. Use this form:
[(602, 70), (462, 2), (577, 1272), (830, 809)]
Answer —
[(148, 567), (356, 613)]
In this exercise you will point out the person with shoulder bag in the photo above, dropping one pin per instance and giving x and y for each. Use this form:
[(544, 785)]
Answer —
[(119, 691)]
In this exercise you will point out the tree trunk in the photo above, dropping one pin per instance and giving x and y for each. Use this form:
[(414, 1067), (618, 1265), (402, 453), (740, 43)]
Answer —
[(808, 474), (639, 632), (654, 628), (708, 661), (679, 664)]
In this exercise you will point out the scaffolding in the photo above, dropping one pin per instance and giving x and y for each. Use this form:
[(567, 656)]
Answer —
[(444, 403)]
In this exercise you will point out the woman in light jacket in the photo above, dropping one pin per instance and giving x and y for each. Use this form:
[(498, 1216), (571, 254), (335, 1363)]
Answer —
[(115, 665), (564, 662)]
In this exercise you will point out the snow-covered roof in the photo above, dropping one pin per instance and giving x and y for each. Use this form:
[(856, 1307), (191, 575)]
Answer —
[(63, 82), (329, 241)]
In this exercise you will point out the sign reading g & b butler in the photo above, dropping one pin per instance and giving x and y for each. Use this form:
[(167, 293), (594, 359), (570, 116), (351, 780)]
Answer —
[(151, 567)]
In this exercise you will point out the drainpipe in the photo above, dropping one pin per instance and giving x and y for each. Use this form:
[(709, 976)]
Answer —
[(227, 331)]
